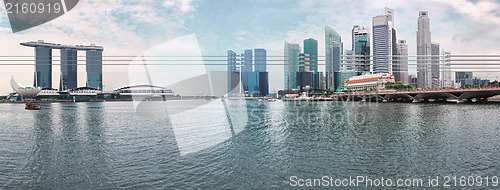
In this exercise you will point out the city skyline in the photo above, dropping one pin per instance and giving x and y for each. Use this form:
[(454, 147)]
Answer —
[(124, 37)]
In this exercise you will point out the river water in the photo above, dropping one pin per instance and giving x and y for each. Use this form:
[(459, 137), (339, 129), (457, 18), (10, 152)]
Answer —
[(236, 144)]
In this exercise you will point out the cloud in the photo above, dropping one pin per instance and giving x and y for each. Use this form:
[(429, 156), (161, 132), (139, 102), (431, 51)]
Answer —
[(485, 11), (183, 5)]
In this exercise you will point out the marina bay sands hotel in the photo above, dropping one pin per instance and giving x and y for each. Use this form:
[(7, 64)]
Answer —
[(69, 60)]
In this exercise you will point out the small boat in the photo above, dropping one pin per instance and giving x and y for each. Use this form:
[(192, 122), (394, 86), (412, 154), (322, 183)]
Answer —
[(32, 107)]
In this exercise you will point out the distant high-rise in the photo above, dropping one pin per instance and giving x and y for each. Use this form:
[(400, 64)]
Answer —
[(464, 78), (43, 67), (258, 84), (304, 75), (394, 49), (402, 65), (332, 38), (246, 67), (233, 74), (69, 58), (311, 48), (383, 41), (260, 60), (348, 69), (333, 69), (423, 51), (258, 81), (333, 54), (291, 64), (304, 62), (94, 68), (446, 70), (349, 60), (69, 71), (436, 83), (361, 48)]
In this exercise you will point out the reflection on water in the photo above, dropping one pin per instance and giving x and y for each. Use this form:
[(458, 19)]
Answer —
[(241, 144)]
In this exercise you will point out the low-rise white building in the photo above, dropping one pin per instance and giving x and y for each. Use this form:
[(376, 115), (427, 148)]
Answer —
[(368, 81)]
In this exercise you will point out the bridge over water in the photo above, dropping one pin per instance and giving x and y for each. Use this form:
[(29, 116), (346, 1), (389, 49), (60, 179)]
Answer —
[(460, 95)]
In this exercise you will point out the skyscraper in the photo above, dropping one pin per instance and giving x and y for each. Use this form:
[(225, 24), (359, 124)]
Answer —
[(394, 49), (348, 69), (361, 48), (311, 48), (382, 41), (69, 58), (349, 60), (402, 74), (94, 68), (233, 74), (333, 69), (436, 83), (304, 62), (333, 55), (331, 38), (423, 51), (69, 72), (304, 75), (258, 81), (43, 67), (446, 70), (291, 64), (258, 84), (246, 67), (260, 60)]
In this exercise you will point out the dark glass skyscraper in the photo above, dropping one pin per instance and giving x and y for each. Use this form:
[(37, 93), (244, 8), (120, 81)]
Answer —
[(69, 72), (43, 67), (94, 68)]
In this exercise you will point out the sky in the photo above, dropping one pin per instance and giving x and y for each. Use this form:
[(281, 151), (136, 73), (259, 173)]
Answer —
[(130, 28)]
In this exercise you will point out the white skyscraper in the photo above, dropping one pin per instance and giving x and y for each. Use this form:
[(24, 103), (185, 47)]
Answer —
[(424, 51), (402, 74)]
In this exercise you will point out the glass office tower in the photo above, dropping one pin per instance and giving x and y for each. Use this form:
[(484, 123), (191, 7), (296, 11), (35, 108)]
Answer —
[(246, 67), (311, 48), (94, 69), (361, 48), (233, 74), (43, 67), (332, 36), (69, 74), (291, 64), (260, 60), (260, 68)]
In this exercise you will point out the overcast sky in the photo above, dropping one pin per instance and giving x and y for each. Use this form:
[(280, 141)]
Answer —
[(133, 27)]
